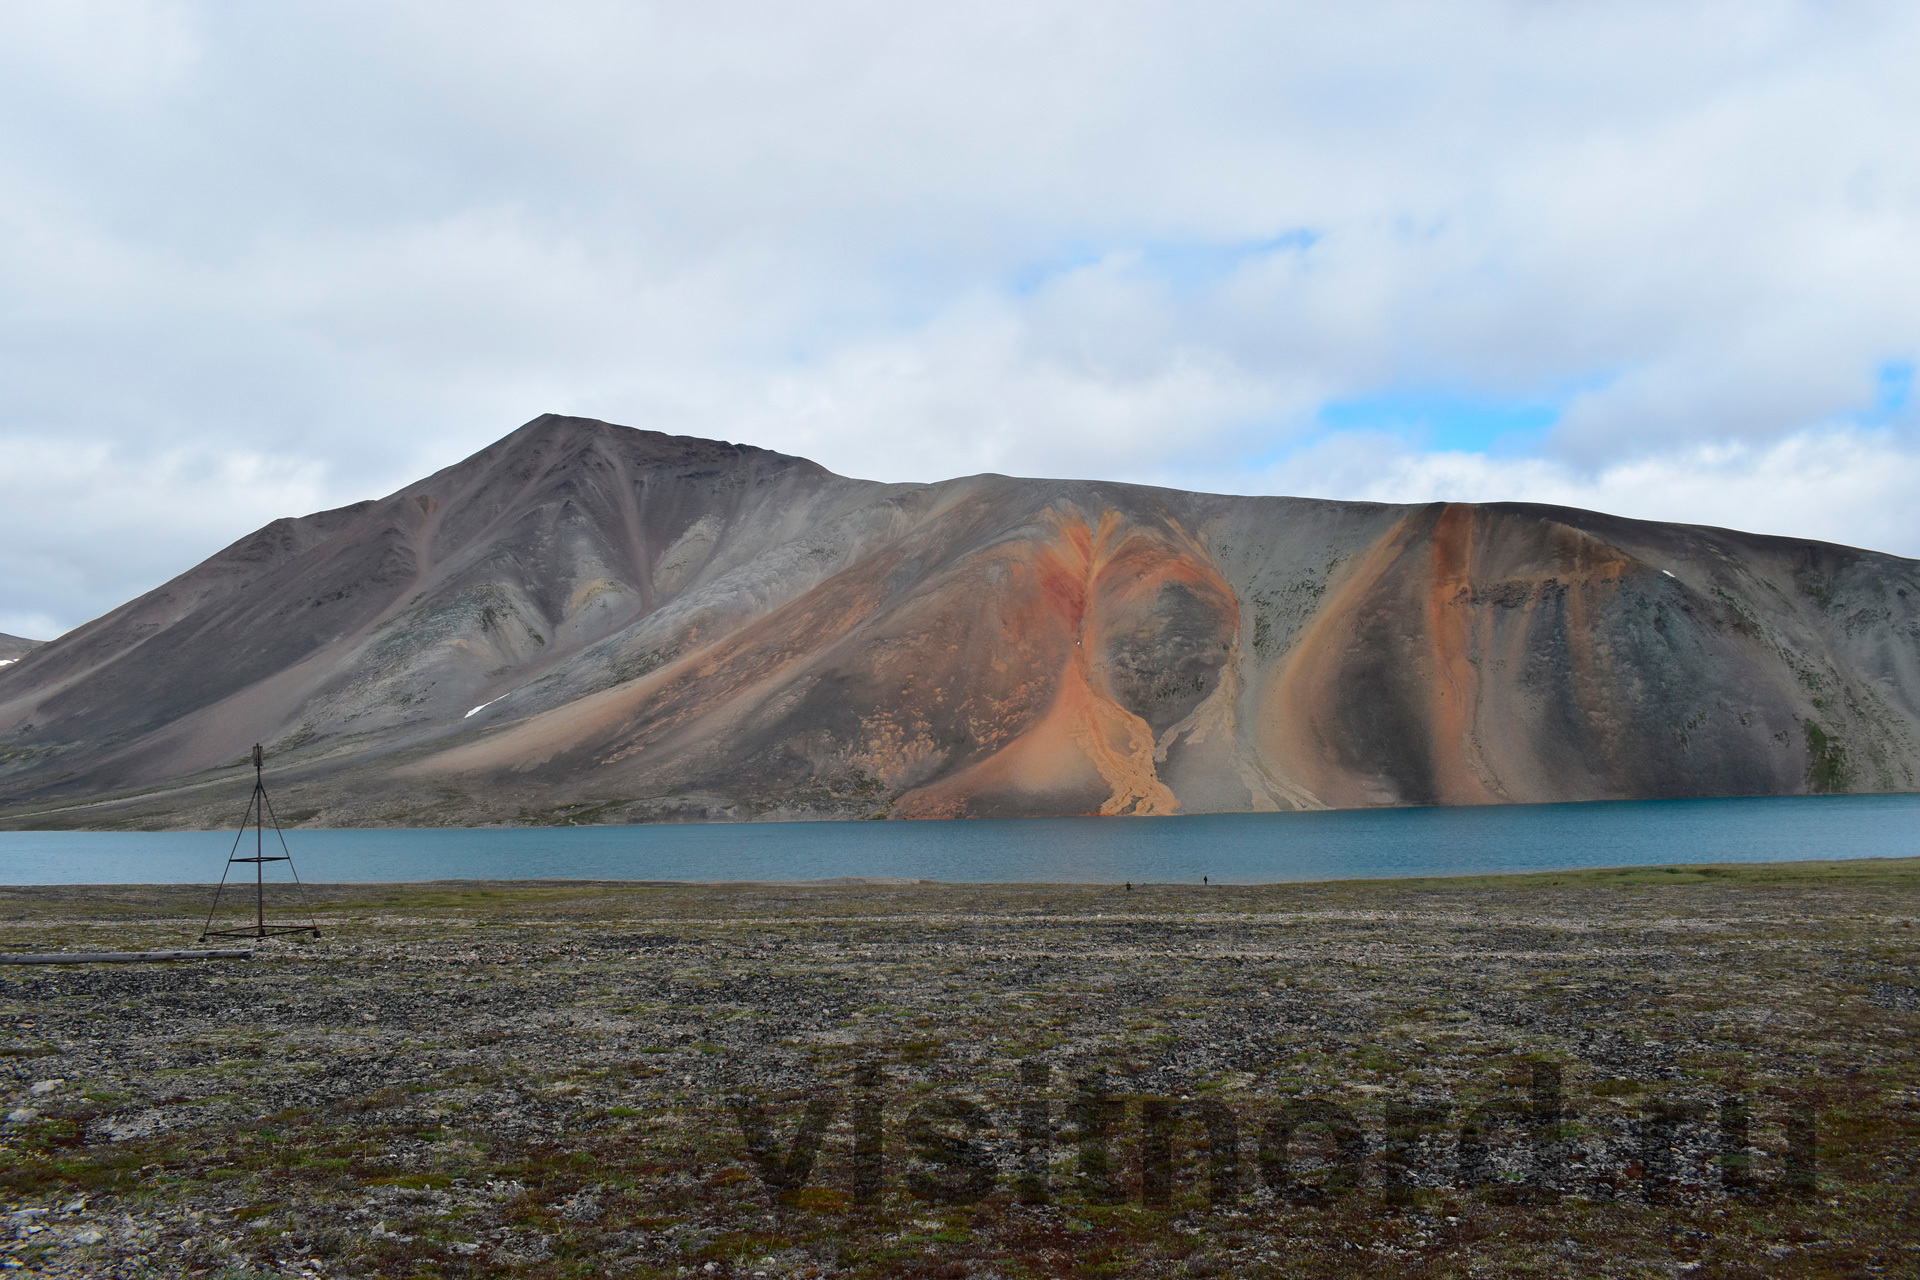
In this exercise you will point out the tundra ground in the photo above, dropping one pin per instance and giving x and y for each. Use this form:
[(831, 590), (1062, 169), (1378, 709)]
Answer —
[(1541, 1075)]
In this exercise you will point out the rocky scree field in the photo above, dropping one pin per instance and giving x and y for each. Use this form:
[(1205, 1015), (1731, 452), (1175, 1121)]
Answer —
[(1527, 1076)]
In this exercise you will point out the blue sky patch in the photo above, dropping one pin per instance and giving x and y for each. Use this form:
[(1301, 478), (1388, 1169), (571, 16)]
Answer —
[(1447, 423), (1893, 388), (1194, 265)]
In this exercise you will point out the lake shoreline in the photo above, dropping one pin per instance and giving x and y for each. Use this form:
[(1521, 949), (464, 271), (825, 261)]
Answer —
[(1783, 871), (1224, 848)]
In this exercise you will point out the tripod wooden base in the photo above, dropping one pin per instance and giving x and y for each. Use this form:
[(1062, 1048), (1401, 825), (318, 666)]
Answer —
[(260, 931)]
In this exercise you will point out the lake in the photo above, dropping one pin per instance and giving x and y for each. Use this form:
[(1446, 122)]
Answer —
[(1227, 848)]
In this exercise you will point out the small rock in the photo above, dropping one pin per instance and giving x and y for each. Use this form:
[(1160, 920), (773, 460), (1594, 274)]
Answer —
[(584, 1207), (21, 1115), (89, 1236), (41, 1088)]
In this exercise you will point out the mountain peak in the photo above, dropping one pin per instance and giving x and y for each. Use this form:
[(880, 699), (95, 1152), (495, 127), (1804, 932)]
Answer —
[(559, 428), (588, 622)]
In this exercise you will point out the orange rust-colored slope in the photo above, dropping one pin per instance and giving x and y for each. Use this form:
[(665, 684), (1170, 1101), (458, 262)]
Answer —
[(1118, 743), (1358, 653), (1460, 773), (1547, 569), (1078, 583), (1083, 594), (1402, 688), (1299, 721)]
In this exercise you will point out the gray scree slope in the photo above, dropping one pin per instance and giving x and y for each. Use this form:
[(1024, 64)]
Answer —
[(13, 648), (586, 623)]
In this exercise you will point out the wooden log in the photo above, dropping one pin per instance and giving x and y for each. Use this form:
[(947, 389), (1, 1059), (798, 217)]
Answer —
[(123, 957)]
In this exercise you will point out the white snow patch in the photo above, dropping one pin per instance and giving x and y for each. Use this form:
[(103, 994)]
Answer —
[(482, 707), (1669, 573)]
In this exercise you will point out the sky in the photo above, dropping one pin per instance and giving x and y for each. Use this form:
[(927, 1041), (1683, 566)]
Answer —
[(1660, 259)]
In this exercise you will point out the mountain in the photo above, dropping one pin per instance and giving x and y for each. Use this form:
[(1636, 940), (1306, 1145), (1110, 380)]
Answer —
[(586, 623), (13, 648)]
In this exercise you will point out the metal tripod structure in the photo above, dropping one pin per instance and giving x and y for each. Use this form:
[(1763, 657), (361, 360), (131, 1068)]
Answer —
[(259, 810)]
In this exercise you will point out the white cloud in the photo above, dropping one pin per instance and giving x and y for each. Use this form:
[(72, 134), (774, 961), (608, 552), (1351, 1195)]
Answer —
[(358, 241), (143, 516), (113, 52), (1833, 483)]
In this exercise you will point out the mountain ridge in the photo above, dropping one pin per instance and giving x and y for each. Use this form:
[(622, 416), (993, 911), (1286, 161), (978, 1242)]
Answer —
[(13, 648), (584, 622)]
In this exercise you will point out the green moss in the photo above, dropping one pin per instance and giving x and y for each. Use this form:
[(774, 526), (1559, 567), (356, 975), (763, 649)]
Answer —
[(1742, 618), (632, 668), (1817, 585), (1826, 760)]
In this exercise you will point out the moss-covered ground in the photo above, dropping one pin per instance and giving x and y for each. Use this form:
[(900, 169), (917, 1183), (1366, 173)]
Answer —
[(1541, 1075)]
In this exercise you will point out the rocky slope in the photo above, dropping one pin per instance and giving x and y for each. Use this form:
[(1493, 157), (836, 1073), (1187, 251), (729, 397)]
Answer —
[(589, 623), (13, 648)]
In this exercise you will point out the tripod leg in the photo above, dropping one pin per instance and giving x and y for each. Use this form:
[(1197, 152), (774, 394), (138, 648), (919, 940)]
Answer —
[(207, 929), (301, 884)]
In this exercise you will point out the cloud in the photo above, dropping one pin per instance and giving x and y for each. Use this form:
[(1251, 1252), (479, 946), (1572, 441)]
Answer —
[(1835, 483), (146, 515), (112, 54), (357, 241)]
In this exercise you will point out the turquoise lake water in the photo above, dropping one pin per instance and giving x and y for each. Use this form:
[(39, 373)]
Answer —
[(1227, 848)]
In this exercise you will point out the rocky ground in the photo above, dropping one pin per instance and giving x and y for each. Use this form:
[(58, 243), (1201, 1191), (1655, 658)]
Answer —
[(1537, 1075)]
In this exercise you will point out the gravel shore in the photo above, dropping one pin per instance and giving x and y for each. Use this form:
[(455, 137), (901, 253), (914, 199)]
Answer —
[(1701, 1072)]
